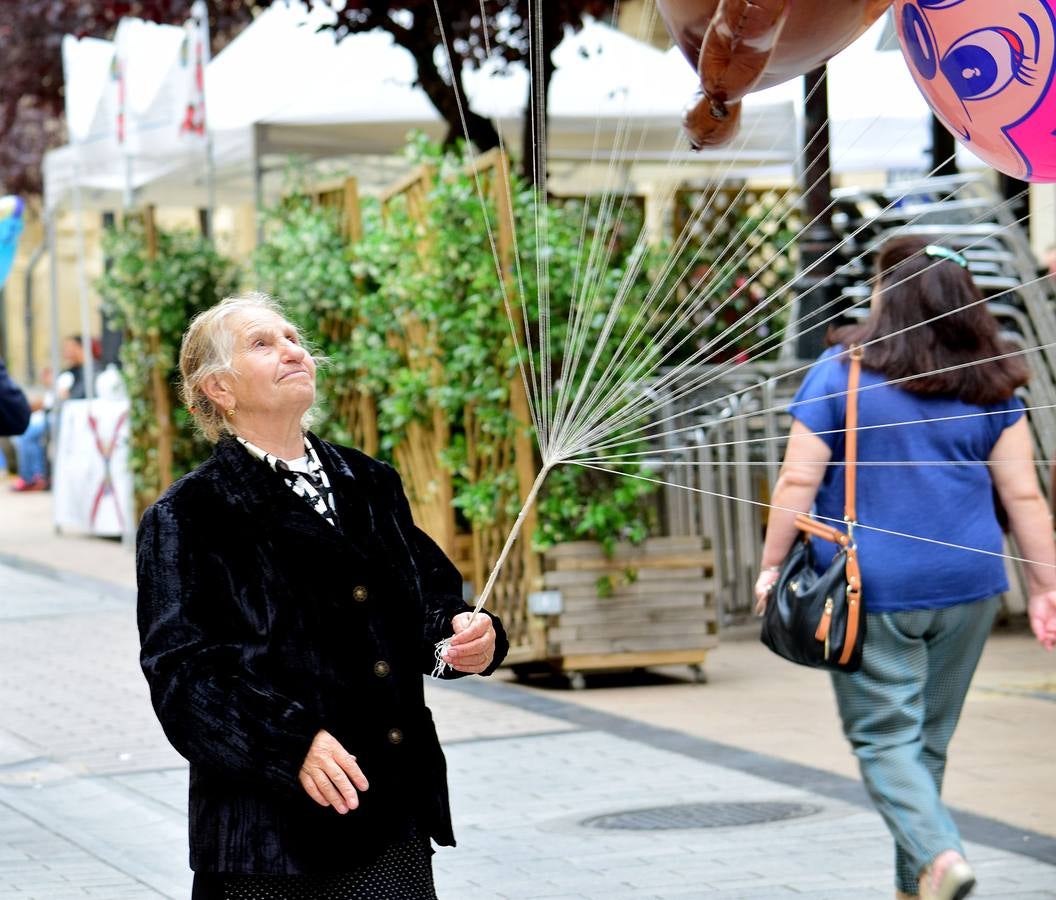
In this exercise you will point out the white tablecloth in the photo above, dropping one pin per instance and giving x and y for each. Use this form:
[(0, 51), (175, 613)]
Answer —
[(92, 484)]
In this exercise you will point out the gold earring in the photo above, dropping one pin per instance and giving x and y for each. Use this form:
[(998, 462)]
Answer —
[(231, 413)]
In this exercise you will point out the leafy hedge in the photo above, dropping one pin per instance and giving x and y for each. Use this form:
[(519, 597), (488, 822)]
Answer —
[(439, 273), (413, 315), (151, 299)]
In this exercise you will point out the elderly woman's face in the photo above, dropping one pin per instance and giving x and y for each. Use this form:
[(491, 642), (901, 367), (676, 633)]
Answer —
[(276, 375)]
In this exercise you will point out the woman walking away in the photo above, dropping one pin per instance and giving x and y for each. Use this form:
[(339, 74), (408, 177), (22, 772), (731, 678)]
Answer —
[(288, 608), (940, 428)]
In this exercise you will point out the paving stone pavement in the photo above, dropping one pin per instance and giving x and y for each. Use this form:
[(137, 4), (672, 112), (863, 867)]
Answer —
[(92, 799)]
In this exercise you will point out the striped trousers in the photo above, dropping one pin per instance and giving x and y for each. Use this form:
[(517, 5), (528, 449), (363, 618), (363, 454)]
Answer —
[(899, 712)]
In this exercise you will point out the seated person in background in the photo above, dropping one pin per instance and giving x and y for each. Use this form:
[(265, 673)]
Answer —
[(70, 385), (32, 445)]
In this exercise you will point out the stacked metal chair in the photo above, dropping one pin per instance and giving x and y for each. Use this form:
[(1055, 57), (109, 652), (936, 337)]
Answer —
[(731, 450)]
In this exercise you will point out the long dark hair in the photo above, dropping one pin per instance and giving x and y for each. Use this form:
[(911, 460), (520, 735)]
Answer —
[(917, 287)]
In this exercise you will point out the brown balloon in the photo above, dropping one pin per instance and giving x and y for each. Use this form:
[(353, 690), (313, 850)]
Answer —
[(738, 46)]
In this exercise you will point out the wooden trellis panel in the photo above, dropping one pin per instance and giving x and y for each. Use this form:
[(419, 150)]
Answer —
[(523, 570), (428, 482), (161, 440), (418, 454), (345, 199), (354, 408)]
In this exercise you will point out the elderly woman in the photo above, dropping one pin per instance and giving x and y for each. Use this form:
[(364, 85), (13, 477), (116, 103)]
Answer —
[(288, 607), (940, 431)]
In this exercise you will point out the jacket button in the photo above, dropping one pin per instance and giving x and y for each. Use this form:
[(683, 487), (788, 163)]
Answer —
[(395, 736), (381, 668), (359, 593)]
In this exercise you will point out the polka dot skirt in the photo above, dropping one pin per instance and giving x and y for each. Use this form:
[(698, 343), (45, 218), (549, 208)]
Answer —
[(403, 872)]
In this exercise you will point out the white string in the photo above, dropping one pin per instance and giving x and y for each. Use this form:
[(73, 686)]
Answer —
[(685, 309), (544, 294), (887, 531), (573, 337), (702, 206), (441, 646), (539, 167), (587, 416), (835, 302), (634, 414), (636, 408), (868, 387), (695, 299), (823, 463), (841, 310), (537, 421), (637, 434), (659, 451), (581, 310), (531, 388)]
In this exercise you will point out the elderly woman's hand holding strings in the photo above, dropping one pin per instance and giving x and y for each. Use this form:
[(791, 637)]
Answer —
[(472, 647)]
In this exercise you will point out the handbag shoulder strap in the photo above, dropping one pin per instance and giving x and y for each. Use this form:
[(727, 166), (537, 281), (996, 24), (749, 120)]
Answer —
[(851, 435)]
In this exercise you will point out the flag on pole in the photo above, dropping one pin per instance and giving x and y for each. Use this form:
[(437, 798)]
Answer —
[(194, 57), (90, 89), (10, 229)]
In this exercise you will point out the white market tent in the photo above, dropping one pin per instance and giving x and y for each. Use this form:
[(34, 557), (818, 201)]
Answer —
[(281, 88), (284, 88), (123, 104)]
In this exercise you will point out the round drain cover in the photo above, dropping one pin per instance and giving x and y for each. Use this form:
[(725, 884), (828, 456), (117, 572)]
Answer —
[(701, 815)]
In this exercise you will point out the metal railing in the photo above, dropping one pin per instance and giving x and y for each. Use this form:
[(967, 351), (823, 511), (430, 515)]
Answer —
[(735, 436)]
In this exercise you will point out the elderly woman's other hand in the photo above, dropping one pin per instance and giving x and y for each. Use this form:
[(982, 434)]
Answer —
[(331, 775), (1042, 612), (473, 646)]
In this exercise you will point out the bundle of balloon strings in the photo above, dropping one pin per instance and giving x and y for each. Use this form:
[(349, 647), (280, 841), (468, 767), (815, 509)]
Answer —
[(441, 646)]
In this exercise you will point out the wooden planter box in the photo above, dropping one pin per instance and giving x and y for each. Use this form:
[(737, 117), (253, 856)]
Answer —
[(658, 606)]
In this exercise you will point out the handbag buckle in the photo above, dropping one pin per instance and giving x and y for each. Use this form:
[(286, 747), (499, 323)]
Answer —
[(851, 525)]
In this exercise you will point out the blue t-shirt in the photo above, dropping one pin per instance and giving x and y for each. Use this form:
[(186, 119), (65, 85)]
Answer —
[(949, 503)]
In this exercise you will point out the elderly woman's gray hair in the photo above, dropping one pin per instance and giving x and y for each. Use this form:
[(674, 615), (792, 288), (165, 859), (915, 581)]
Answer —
[(208, 349)]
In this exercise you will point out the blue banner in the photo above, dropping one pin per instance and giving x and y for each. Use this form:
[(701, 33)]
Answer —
[(10, 230)]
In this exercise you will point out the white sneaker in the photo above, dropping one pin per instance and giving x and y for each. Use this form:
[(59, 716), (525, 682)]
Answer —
[(956, 882)]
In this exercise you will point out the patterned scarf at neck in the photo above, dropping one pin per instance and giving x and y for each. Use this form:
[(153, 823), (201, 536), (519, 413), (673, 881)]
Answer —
[(306, 477)]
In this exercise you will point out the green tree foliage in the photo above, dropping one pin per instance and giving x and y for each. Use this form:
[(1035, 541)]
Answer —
[(739, 265), (427, 290), (306, 263), (152, 300), (473, 32)]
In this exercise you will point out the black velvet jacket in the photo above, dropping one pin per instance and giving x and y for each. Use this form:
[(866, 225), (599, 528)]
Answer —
[(261, 623), (14, 410)]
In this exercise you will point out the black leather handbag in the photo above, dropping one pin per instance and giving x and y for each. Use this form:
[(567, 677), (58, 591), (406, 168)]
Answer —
[(818, 619)]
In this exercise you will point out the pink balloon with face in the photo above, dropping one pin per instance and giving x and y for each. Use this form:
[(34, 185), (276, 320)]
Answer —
[(987, 70)]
